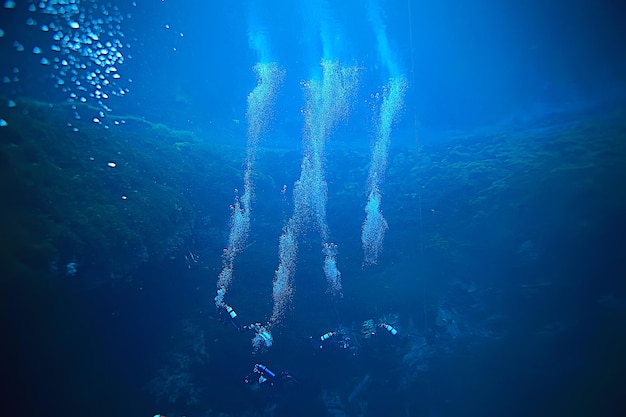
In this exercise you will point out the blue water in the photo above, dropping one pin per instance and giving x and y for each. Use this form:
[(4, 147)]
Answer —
[(434, 186)]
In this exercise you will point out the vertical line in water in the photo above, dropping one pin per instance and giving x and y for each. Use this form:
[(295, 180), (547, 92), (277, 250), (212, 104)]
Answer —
[(415, 123)]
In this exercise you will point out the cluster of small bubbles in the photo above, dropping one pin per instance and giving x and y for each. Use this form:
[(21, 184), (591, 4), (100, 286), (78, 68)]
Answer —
[(333, 276), (310, 194), (375, 225), (282, 290), (221, 291), (262, 339), (261, 100), (393, 101), (86, 48), (224, 279), (239, 229), (335, 93), (239, 226), (373, 230)]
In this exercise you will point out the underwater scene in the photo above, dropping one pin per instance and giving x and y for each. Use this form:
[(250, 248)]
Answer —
[(219, 208)]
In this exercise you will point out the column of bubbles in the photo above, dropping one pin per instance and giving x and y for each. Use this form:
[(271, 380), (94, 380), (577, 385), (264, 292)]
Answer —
[(260, 105), (85, 49), (375, 225), (327, 102)]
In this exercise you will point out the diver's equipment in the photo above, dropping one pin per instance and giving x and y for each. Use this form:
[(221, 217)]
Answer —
[(345, 343), (389, 328), (230, 311), (327, 336), (264, 373)]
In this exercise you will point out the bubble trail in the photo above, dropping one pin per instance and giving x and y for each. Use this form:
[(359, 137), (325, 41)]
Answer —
[(259, 111), (375, 225), (327, 102), (385, 52)]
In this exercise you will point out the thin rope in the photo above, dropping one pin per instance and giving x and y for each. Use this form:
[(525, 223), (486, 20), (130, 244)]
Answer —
[(419, 188)]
